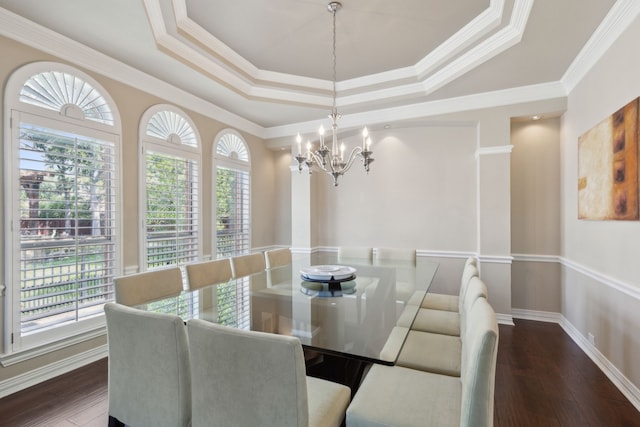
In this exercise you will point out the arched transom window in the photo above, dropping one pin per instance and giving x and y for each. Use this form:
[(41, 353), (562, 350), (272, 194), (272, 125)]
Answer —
[(67, 94)]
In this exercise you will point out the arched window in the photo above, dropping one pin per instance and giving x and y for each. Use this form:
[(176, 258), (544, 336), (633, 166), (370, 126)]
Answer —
[(232, 195), (169, 187), (61, 199)]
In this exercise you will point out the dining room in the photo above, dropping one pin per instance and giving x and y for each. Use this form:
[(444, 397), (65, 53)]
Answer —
[(190, 155)]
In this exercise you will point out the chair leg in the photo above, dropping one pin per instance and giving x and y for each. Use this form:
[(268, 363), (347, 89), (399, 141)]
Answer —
[(114, 422)]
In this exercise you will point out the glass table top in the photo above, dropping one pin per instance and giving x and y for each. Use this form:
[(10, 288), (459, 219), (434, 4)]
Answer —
[(366, 318)]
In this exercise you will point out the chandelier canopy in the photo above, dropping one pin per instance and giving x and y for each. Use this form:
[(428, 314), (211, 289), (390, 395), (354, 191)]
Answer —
[(332, 160)]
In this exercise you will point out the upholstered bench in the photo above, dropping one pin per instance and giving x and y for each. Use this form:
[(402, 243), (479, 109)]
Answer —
[(400, 396)]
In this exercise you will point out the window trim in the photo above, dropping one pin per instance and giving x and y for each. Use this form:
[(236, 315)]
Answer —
[(169, 146), (13, 341), (227, 162)]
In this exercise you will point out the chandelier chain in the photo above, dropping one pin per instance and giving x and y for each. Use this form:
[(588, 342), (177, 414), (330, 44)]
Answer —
[(334, 111), (334, 161)]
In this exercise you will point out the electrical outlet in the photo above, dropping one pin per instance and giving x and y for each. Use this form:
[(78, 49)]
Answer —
[(592, 339)]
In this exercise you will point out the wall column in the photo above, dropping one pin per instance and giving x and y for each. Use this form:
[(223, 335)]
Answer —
[(494, 212), (301, 218)]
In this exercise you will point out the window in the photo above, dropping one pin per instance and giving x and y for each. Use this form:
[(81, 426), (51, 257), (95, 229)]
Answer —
[(170, 188), (232, 195), (61, 203), (232, 223)]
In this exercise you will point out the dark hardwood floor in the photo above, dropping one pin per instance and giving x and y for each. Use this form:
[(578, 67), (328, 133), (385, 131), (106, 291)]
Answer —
[(543, 379)]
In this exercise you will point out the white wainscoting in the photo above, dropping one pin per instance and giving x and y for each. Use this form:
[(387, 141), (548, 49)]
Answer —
[(626, 387)]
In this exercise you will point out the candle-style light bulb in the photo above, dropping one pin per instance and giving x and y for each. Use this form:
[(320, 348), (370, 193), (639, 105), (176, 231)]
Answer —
[(321, 132), (308, 150), (365, 133), (299, 141), (368, 144)]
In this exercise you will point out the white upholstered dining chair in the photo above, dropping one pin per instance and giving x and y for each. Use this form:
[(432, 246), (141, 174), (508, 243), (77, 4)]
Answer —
[(244, 379), (244, 265), (208, 273), (355, 253), (140, 288), (404, 262), (278, 257), (453, 303), (149, 368)]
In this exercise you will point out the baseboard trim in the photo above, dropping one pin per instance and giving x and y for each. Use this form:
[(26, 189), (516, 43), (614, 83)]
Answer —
[(539, 316), (505, 319), (44, 373), (626, 387)]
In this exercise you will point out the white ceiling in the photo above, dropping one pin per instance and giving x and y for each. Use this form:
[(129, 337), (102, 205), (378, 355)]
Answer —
[(269, 61)]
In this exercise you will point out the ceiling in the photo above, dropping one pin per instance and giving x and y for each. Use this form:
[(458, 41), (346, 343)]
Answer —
[(270, 62)]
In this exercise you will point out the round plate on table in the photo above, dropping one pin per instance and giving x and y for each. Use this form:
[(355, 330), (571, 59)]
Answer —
[(328, 272)]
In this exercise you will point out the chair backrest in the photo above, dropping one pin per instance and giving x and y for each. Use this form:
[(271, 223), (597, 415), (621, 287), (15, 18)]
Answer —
[(478, 372), (139, 288), (277, 257), (208, 273), (149, 367), (472, 261), (355, 252), (469, 272), (245, 378), (395, 254), (475, 289), (244, 265)]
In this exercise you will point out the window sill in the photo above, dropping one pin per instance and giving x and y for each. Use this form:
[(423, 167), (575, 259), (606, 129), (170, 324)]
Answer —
[(19, 356)]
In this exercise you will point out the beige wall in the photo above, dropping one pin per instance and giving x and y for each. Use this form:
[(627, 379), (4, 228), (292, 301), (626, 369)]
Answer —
[(132, 103), (601, 276), (535, 215), (535, 193), (420, 193)]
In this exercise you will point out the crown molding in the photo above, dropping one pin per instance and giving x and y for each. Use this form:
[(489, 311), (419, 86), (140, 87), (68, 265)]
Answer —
[(621, 15), (29, 33), (195, 46), (501, 98)]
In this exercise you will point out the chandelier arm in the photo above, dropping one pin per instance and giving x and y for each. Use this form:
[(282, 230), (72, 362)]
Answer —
[(352, 157)]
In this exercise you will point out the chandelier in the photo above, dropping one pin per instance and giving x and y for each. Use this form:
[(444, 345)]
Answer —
[(332, 160)]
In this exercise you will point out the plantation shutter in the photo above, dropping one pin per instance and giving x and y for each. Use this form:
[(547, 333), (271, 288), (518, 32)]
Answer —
[(172, 210), (232, 212), (67, 195)]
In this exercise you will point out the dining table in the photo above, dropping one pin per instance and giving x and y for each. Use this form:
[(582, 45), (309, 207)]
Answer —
[(364, 316)]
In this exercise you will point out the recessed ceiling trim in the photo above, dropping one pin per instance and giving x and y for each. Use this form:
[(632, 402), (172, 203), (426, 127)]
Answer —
[(469, 34), (216, 48), (207, 40), (494, 45), (226, 67), (520, 95)]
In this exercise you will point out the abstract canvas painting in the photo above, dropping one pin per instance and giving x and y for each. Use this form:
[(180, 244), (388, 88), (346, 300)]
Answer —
[(608, 167)]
